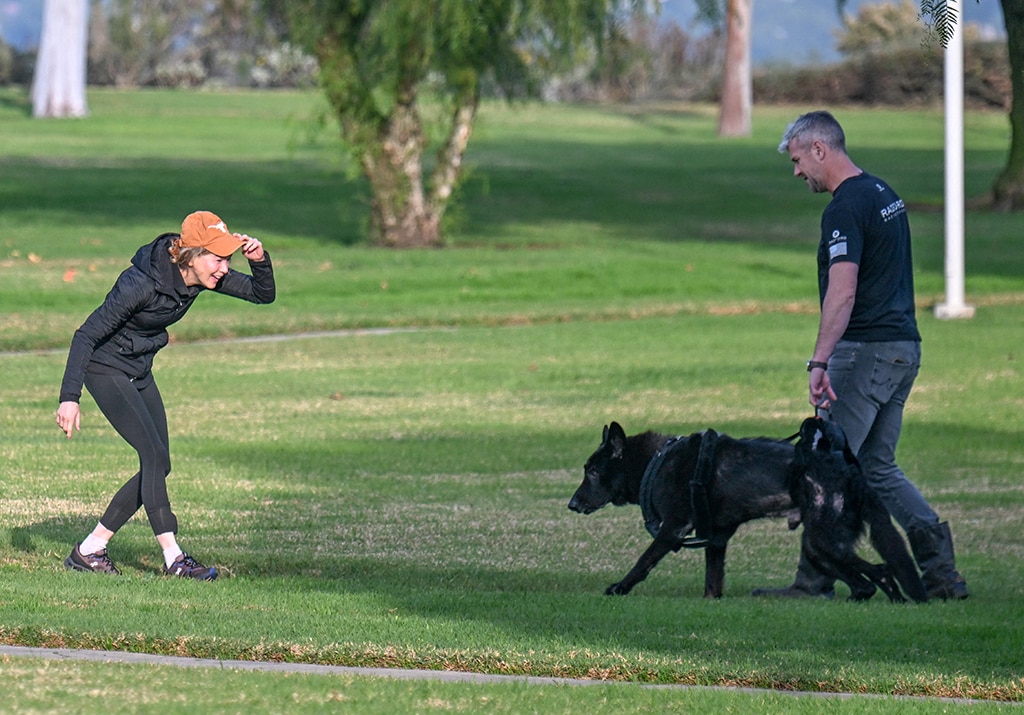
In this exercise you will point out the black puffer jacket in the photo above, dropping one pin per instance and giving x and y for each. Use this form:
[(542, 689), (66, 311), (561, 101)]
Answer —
[(128, 329)]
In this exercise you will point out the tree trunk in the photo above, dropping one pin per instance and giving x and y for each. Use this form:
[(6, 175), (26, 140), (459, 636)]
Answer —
[(401, 213), (737, 87), (1008, 192), (400, 216), (449, 159), (58, 87)]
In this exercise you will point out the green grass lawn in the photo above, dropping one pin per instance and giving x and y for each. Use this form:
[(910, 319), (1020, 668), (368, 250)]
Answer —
[(398, 499)]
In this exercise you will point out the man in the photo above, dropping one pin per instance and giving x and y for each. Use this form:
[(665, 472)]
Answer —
[(868, 349)]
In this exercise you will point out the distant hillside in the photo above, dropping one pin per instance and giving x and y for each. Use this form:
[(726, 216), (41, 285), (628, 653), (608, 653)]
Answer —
[(801, 32)]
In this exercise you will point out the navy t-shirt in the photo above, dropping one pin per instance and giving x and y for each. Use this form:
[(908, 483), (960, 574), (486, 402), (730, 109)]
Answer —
[(866, 223)]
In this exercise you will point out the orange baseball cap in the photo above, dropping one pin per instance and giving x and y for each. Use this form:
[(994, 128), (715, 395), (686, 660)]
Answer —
[(203, 229)]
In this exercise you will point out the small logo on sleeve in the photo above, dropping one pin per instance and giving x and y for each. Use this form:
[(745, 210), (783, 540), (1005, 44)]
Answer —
[(836, 245)]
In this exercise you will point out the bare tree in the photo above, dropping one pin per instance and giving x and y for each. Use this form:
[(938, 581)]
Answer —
[(58, 87), (736, 105), (737, 85)]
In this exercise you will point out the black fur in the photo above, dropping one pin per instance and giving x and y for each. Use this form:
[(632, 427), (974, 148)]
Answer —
[(752, 478), (835, 504)]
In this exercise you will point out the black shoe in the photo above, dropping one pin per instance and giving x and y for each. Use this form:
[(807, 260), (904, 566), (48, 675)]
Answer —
[(188, 567), (933, 551), (953, 590), (96, 563)]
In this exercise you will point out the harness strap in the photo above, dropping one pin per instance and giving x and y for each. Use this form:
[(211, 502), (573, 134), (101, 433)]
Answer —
[(652, 522), (700, 507), (702, 474)]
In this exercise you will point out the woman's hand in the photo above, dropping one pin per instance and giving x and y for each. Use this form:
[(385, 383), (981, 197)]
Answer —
[(252, 248), (69, 417)]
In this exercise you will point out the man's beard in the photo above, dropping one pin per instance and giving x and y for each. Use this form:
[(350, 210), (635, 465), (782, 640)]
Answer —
[(816, 186)]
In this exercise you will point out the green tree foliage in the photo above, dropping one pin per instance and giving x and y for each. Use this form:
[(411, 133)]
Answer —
[(187, 43), (131, 38), (6, 62), (942, 17), (383, 62), (882, 26)]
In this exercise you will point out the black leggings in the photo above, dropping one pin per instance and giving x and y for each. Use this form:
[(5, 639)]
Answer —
[(136, 410)]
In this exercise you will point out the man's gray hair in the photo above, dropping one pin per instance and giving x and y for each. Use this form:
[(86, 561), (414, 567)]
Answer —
[(820, 126)]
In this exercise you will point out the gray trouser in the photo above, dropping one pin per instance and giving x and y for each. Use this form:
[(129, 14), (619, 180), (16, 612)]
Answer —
[(872, 382)]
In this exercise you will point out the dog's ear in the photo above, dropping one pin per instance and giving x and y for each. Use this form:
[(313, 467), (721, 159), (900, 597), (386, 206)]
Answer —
[(604, 435), (616, 437)]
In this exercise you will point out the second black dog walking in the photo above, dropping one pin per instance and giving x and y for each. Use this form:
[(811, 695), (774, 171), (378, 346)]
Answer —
[(696, 491)]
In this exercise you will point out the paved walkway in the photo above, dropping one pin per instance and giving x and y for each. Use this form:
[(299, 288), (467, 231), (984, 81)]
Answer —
[(103, 656), (448, 676)]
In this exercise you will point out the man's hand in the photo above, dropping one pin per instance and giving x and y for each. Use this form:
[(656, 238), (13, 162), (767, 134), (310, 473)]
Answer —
[(820, 388)]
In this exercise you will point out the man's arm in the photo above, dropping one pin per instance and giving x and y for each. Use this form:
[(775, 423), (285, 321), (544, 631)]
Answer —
[(835, 317)]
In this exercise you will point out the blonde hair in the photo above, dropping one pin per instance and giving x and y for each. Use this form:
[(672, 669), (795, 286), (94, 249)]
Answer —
[(184, 255)]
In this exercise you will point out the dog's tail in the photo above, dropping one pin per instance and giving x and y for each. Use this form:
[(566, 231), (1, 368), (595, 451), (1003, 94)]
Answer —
[(890, 545)]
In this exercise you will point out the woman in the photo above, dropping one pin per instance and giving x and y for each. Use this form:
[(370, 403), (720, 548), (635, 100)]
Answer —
[(112, 355)]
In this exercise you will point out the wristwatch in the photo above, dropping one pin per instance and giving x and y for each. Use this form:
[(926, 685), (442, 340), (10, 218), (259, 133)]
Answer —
[(811, 364)]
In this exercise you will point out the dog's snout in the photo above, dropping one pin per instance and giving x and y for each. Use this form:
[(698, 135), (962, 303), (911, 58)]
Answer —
[(578, 505)]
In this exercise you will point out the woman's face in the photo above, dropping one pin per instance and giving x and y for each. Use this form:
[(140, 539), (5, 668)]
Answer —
[(206, 270)]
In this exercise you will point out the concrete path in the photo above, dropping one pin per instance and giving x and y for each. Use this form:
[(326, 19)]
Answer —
[(99, 656)]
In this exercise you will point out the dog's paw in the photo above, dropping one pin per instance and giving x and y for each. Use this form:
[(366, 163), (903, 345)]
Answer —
[(861, 592), (616, 589)]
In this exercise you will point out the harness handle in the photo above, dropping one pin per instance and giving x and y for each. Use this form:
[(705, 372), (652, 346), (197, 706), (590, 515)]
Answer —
[(700, 507)]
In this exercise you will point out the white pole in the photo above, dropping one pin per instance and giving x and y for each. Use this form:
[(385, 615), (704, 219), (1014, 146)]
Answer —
[(954, 306)]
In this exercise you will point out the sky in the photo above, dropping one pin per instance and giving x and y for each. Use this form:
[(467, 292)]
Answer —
[(802, 32), (20, 21), (790, 32)]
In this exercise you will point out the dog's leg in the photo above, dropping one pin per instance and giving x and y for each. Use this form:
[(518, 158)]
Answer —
[(893, 550), (650, 558), (714, 570), (862, 576), (832, 559), (881, 575)]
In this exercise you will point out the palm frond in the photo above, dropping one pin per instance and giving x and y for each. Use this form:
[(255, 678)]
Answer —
[(941, 17)]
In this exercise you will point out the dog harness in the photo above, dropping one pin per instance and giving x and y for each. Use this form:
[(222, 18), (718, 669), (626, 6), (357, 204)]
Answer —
[(700, 508)]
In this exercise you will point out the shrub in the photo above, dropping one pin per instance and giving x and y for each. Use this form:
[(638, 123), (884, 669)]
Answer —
[(911, 76)]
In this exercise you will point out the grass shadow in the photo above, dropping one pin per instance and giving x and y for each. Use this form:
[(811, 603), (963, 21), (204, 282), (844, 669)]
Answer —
[(291, 199), (19, 102)]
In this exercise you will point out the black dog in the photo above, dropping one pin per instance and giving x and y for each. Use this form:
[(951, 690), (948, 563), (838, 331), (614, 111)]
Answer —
[(713, 483), (835, 503)]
